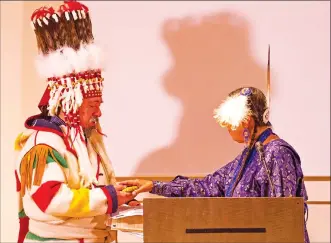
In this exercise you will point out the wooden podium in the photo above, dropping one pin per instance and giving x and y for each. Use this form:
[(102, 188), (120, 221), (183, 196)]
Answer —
[(205, 220)]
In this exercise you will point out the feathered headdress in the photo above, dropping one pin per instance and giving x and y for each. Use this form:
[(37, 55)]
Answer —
[(71, 63), (68, 57), (234, 110)]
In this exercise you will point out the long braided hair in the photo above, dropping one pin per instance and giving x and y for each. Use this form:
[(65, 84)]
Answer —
[(257, 104)]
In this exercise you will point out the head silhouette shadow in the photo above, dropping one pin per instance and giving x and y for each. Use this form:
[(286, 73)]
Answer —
[(211, 57)]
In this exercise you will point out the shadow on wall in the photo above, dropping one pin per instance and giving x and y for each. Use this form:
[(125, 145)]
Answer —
[(210, 59)]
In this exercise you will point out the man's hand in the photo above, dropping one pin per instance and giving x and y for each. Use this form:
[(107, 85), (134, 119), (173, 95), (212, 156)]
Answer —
[(134, 203), (123, 197), (131, 202), (143, 185)]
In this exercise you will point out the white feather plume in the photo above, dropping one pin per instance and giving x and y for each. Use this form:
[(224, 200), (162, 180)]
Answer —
[(66, 60), (96, 58), (70, 59), (82, 63), (55, 64), (232, 111)]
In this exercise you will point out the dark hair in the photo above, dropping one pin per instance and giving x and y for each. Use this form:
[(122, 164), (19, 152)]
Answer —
[(45, 113), (256, 102)]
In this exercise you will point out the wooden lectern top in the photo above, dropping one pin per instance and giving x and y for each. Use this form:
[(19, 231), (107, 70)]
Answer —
[(241, 220)]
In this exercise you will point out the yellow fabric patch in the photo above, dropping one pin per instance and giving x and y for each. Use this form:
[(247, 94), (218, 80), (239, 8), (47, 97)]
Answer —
[(17, 144), (21, 140), (80, 203)]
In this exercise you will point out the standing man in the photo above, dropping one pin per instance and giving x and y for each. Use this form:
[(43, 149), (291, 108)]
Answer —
[(65, 180)]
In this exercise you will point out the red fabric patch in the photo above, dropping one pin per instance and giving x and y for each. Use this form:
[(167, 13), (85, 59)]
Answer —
[(45, 98), (35, 138), (45, 193), (24, 229), (18, 183), (109, 199)]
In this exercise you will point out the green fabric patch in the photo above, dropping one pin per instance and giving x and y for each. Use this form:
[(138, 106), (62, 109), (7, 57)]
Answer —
[(50, 159), (59, 158), (21, 214), (32, 236)]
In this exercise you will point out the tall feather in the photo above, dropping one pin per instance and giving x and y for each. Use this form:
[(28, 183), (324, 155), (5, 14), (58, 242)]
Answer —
[(268, 78)]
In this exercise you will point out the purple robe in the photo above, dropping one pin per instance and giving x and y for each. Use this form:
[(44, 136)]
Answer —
[(285, 173)]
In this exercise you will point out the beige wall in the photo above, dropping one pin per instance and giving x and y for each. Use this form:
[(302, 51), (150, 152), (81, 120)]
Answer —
[(141, 56), (11, 112), (21, 90)]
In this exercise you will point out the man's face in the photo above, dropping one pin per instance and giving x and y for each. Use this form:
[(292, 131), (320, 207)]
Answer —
[(238, 133), (89, 112)]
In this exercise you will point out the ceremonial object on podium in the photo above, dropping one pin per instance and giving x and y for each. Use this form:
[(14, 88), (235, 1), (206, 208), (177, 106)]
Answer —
[(223, 220)]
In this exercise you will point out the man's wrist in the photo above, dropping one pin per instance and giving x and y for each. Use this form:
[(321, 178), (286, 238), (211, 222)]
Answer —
[(156, 187), (112, 199)]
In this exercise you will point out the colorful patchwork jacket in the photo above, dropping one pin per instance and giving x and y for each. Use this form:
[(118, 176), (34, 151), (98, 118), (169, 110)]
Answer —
[(52, 205)]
